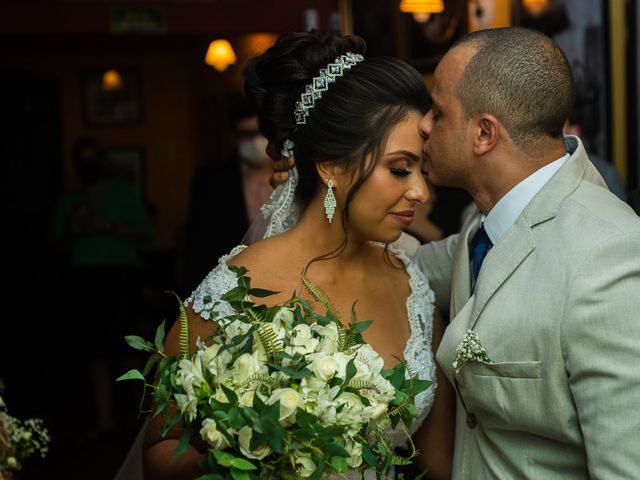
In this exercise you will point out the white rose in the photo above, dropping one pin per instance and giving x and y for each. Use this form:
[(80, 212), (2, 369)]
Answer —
[(283, 318), (290, 401), (12, 462), (244, 439), (324, 366), (210, 434), (304, 465), (351, 400), (26, 436), (351, 413), (245, 366)]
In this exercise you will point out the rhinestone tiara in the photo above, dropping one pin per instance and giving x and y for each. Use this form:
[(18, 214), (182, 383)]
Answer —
[(319, 84)]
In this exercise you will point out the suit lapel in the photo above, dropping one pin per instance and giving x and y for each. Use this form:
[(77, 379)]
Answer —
[(461, 284), (501, 261)]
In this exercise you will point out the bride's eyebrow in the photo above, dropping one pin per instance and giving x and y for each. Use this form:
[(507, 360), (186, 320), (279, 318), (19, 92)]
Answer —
[(412, 156)]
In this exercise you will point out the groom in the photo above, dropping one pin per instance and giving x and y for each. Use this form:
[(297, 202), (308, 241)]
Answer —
[(556, 302)]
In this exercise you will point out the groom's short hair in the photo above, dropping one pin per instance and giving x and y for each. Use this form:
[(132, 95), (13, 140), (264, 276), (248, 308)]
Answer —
[(522, 77)]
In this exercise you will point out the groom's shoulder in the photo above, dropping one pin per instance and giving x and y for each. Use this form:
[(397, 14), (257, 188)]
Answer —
[(599, 211)]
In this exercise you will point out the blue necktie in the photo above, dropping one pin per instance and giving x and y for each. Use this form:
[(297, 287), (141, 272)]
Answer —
[(480, 245)]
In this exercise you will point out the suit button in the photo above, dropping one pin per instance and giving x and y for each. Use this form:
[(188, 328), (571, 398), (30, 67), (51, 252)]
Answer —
[(472, 421)]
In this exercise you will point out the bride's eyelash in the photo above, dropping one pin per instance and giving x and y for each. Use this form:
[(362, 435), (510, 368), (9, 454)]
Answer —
[(400, 172)]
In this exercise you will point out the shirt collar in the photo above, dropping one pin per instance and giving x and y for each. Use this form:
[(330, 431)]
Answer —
[(508, 209)]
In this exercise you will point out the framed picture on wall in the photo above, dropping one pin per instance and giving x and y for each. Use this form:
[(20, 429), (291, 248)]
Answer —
[(128, 163), (111, 97)]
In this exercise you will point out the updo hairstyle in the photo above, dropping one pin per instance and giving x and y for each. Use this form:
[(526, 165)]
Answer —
[(351, 120)]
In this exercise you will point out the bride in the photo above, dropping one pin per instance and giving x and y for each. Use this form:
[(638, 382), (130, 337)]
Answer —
[(358, 151)]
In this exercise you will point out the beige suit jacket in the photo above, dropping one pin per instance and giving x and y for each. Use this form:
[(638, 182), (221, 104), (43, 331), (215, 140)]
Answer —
[(557, 307)]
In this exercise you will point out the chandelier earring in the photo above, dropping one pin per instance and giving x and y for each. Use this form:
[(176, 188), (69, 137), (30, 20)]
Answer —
[(329, 201)]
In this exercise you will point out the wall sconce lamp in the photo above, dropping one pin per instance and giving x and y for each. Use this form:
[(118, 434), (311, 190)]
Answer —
[(422, 9), (536, 7), (220, 55), (111, 80)]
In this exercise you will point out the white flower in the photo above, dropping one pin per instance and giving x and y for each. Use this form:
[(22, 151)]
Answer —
[(215, 361), (329, 337), (26, 436), (220, 396), (283, 318), (327, 405), (375, 411), (304, 465), (290, 401), (469, 350), (368, 361), (354, 449), (190, 375), (324, 366), (246, 399), (245, 366), (12, 462), (342, 361), (187, 404), (302, 340), (210, 434), (236, 328), (244, 440)]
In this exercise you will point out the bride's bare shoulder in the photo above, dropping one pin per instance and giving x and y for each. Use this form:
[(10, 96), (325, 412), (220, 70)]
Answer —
[(264, 255)]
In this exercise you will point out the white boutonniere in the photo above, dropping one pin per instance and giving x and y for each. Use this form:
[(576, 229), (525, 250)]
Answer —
[(470, 350)]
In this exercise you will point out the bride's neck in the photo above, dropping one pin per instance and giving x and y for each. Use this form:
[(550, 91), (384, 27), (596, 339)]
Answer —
[(319, 237)]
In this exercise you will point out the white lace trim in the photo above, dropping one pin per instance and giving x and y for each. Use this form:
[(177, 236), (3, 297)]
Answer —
[(281, 212)]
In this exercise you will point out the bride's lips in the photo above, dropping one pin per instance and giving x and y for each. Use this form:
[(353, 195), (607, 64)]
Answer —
[(405, 216)]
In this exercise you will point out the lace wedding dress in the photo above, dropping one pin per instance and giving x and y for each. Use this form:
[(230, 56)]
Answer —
[(278, 216)]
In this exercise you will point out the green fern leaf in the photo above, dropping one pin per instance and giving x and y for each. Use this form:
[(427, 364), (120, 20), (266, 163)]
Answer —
[(319, 296), (269, 339), (184, 327)]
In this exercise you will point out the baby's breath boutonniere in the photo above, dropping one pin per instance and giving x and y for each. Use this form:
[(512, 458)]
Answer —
[(470, 349)]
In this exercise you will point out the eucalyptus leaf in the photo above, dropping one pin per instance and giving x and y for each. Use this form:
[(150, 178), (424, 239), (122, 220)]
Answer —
[(153, 359), (240, 474), (360, 327), (159, 339), (131, 375), (183, 444), (136, 342), (339, 464), (223, 458), (261, 292), (242, 464)]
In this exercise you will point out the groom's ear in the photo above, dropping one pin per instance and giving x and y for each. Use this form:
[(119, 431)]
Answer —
[(487, 134)]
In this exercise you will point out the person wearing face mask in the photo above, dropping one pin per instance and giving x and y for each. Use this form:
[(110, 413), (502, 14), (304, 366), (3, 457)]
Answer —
[(226, 196)]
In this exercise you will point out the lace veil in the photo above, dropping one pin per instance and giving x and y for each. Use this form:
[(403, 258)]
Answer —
[(277, 216)]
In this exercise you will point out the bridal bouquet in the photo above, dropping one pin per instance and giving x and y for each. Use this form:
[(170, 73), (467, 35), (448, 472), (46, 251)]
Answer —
[(19, 439), (281, 392)]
